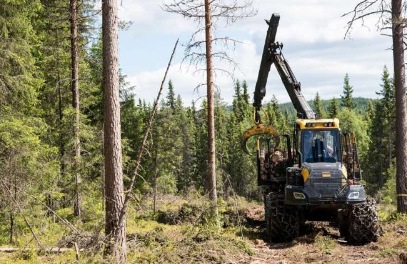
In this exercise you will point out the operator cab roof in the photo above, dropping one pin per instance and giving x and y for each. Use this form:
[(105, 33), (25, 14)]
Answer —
[(318, 123)]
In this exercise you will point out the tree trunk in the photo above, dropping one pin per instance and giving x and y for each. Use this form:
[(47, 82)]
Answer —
[(75, 101), (115, 225), (11, 240), (60, 112), (155, 179), (401, 122), (211, 117)]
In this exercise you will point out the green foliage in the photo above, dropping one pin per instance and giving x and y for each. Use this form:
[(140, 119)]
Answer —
[(319, 110), (325, 243), (350, 122), (333, 109), (171, 95), (388, 193), (382, 134), (37, 147), (347, 98), (360, 102)]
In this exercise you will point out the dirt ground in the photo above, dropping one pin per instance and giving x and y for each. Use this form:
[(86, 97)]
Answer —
[(321, 243)]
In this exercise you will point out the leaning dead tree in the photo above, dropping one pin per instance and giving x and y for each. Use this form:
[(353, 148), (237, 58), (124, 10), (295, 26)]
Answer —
[(205, 50), (390, 17)]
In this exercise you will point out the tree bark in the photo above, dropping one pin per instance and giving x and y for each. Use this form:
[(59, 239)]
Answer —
[(155, 179), (115, 223), (60, 107), (401, 122), (75, 101), (211, 117), (11, 227)]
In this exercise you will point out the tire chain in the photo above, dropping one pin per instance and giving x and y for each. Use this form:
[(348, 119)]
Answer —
[(363, 223), (282, 220)]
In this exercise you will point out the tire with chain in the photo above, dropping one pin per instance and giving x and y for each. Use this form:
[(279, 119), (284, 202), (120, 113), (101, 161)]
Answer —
[(343, 223), (282, 220), (362, 222)]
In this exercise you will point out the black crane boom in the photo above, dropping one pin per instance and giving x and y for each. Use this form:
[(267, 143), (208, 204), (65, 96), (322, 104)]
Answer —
[(272, 53)]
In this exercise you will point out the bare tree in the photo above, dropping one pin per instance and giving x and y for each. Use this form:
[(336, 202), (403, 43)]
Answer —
[(115, 222), (209, 12), (75, 101), (390, 17), (401, 121), (213, 196)]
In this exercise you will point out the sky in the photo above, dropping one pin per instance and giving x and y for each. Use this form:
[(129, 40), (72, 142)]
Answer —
[(312, 32)]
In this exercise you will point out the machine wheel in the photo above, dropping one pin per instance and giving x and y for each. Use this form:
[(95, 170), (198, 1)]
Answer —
[(362, 223), (343, 223), (282, 220)]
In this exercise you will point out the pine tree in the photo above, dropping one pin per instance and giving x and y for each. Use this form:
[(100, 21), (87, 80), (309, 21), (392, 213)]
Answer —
[(319, 110), (347, 99), (333, 109), (397, 10), (115, 227)]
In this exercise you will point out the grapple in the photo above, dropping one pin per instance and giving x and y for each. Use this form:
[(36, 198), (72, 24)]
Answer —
[(259, 129)]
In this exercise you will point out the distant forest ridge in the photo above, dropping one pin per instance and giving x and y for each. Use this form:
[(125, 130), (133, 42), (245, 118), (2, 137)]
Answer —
[(361, 104)]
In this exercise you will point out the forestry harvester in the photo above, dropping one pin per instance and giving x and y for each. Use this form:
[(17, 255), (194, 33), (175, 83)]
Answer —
[(316, 175)]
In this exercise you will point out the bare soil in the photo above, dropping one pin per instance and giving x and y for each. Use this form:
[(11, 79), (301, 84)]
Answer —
[(321, 243)]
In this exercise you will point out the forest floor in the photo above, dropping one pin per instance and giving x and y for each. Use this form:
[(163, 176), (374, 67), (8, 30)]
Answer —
[(180, 232)]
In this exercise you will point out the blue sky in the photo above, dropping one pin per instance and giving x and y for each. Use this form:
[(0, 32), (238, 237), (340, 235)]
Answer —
[(312, 32)]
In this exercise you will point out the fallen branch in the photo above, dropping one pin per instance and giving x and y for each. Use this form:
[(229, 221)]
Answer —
[(144, 142)]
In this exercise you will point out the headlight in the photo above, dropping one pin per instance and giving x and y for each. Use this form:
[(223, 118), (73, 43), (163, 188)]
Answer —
[(353, 195), (299, 196)]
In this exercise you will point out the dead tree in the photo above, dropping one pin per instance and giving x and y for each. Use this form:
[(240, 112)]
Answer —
[(199, 51), (401, 121), (115, 226), (390, 17), (213, 196)]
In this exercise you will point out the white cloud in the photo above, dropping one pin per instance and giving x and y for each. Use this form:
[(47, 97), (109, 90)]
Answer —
[(148, 17), (311, 30)]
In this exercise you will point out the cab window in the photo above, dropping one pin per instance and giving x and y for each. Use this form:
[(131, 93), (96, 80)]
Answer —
[(320, 145)]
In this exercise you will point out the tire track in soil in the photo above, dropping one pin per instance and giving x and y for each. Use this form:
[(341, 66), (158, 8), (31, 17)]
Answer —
[(318, 243)]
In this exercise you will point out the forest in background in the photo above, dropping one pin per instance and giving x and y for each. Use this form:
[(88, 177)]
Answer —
[(37, 117)]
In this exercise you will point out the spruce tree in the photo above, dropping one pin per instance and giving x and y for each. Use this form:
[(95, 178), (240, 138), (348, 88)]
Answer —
[(370, 109), (333, 109), (245, 95), (171, 95), (382, 133), (238, 104), (319, 110), (347, 99)]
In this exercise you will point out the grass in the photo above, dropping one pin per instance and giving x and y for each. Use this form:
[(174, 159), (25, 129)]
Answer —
[(194, 239)]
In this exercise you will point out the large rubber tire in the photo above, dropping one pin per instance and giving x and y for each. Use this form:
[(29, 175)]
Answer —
[(362, 223), (282, 220), (343, 222)]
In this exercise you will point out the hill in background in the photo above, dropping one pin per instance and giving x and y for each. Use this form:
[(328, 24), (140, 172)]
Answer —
[(361, 104)]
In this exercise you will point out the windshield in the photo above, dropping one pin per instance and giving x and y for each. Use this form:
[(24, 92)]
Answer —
[(320, 145)]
